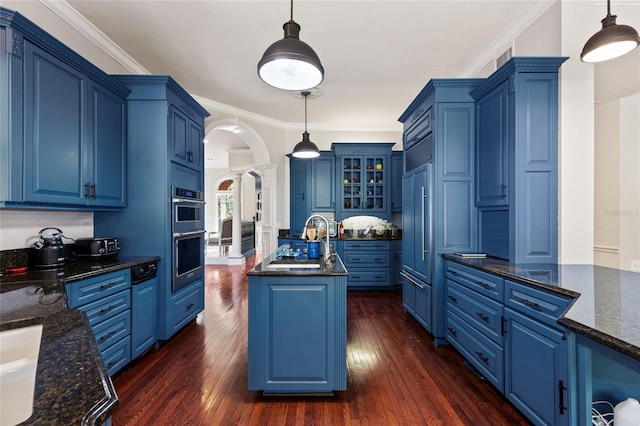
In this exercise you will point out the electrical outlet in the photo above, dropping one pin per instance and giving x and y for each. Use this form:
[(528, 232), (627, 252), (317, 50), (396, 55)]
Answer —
[(635, 265)]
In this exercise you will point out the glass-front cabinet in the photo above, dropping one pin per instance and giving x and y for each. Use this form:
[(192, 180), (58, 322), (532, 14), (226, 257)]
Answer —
[(363, 176)]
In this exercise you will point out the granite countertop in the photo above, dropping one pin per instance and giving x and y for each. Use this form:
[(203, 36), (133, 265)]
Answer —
[(607, 300), (72, 382), (336, 267)]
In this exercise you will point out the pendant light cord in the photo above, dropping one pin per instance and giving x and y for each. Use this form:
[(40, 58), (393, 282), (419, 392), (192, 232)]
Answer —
[(608, 8), (305, 94), (291, 10)]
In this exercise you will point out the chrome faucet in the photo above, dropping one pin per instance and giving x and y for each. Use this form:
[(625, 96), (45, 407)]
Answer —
[(327, 247)]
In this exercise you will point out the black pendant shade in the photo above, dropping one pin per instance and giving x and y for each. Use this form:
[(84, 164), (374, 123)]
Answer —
[(305, 148), (290, 63), (611, 41)]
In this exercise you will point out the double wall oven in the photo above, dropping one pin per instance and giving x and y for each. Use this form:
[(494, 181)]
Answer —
[(187, 217)]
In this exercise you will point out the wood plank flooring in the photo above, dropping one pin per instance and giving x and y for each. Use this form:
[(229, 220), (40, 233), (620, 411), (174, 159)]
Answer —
[(396, 376)]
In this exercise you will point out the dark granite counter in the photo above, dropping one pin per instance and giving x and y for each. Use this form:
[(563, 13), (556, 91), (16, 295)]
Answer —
[(606, 302), (334, 268), (72, 382)]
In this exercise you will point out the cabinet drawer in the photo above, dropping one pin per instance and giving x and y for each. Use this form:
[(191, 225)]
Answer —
[(485, 284), (539, 304), (115, 328), (117, 356), (187, 304), (367, 245), (82, 292), (479, 311), (420, 128), (368, 277), (481, 352), (352, 259), (105, 308)]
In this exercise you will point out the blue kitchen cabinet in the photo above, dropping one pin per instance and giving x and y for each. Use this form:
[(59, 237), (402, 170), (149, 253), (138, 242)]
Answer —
[(416, 299), (416, 223), (297, 334), (295, 243), (311, 188), (439, 149), (396, 251), (537, 354), (63, 125), (368, 263), (187, 138), (106, 301), (517, 160), (492, 158), (363, 179), (145, 226), (397, 170), (144, 316), (323, 183)]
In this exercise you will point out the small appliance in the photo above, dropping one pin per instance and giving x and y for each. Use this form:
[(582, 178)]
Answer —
[(49, 250), (96, 248)]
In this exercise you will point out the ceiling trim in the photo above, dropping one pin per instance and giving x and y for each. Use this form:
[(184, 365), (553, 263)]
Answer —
[(91, 32), (507, 37)]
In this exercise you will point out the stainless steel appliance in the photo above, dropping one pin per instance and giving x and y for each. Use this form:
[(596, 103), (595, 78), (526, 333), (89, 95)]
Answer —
[(49, 250), (96, 248), (187, 210)]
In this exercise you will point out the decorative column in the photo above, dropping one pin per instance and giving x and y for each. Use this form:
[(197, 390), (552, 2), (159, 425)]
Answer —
[(236, 257)]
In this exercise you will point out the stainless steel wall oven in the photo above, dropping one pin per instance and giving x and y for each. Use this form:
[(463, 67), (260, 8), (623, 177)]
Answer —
[(187, 215)]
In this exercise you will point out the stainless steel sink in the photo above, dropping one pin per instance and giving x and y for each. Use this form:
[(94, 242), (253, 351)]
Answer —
[(294, 264)]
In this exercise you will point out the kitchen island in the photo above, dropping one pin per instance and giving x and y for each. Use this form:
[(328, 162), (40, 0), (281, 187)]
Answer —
[(298, 327)]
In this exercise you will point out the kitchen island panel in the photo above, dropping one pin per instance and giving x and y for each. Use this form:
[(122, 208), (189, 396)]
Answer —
[(298, 331)]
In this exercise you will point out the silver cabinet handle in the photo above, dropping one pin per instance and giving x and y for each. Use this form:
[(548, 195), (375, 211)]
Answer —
[(415, 284)]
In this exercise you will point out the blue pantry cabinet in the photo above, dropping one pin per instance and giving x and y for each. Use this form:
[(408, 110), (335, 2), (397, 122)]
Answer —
[(63, 124), (517, 160), (440, 214), (144, 316), (145, 226)]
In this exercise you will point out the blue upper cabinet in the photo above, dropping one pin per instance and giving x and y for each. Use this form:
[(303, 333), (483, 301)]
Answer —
[(363, 179), (323, 196), (187, 139), (492, 158), (517, 160), (63, 124)]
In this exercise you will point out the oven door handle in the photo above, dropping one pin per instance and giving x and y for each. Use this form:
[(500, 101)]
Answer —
[(185, 234), (186, 201)]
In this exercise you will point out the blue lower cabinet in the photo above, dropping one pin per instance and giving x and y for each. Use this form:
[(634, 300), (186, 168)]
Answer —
[(143, 316), (106, 300), (416, 298), (537, 378), (369, 263), (297, 334), (186, 304), (295, 243)]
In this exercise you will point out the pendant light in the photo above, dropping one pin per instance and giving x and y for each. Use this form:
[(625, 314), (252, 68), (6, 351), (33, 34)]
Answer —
[(305, 148), (611, 41), (290, 63)]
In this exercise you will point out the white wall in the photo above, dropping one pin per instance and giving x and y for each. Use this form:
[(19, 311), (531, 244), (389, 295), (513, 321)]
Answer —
[(19, 228)]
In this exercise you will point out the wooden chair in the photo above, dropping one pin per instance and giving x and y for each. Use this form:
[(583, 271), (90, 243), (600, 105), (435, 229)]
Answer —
[(225, 234)]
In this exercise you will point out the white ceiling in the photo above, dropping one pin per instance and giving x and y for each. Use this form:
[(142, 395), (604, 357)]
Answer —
[(377, 54)]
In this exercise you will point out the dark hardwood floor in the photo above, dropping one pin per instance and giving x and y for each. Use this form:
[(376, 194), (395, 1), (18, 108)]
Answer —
[(396, 376)]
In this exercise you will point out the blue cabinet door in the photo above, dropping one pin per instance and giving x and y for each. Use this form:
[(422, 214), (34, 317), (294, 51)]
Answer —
[(421, 194), (105, 166), (492, 148), (397, 168), (186, 139), (144, 312), (408, 231), (300, 201), (323, 183), (297, 334), (536, 370), (55, 108)]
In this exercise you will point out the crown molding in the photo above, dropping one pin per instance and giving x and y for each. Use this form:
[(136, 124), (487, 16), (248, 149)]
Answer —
[(91, 32), (507, 37)]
